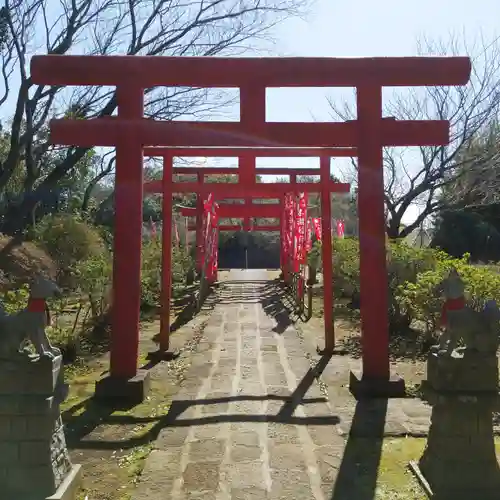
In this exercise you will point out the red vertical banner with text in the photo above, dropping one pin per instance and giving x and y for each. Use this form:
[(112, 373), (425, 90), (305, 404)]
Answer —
[(290, 230), (340, 228), (300, 232), (317, 227), (309, 235)]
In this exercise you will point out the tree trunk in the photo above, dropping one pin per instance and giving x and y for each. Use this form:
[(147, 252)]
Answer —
[(393, 228)]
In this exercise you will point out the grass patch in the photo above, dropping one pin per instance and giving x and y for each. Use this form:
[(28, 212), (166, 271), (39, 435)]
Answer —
[(395, 481), (111, 471)]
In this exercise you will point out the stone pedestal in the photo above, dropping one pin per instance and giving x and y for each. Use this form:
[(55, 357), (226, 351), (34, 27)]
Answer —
[(367, 387), (34, 460), (459, 461), (125, 391), (467, 373)]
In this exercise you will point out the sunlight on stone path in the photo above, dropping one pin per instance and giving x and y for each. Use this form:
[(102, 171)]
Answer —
[(237, 428)]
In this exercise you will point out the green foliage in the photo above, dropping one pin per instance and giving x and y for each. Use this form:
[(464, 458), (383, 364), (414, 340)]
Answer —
[(151, 270), (413, 274), (404, 264), (461, 231), (93, 278), (482, 284), (15, 300), (69, 240), (346, 267), (314, 256)]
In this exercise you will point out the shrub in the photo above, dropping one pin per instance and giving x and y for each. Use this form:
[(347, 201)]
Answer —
[(20, 261), (15, 300), (346, 267), (404, 265), (93, 277), (413, 274), (152, 268), (482, 284), (68, 240)]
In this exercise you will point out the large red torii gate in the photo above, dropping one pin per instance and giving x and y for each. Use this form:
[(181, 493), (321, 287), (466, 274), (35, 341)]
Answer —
[(130, 131)]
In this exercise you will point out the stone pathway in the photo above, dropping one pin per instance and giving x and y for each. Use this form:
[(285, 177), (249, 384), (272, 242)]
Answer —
[(251, 420)]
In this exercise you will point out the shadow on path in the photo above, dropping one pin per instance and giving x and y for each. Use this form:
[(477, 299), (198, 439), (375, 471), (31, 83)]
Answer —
[(357, 476), (80, 426)]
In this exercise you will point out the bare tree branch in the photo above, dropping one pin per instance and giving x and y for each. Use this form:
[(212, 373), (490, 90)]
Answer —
[(134, 27), (416, 177)]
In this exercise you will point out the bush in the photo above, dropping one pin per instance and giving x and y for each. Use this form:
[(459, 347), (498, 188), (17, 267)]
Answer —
[(69, 241), (346, 267), (482, 284), (404, 265), (20, 261), (413, 273), (151, 270), (93, 277)]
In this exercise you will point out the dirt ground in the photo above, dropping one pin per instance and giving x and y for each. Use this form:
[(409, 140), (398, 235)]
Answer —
[(110, 443), (407, 358)]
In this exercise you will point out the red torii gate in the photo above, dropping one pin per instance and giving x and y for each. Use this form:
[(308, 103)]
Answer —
[(245, 154), (247, 210), (248, 168), (130, 131)]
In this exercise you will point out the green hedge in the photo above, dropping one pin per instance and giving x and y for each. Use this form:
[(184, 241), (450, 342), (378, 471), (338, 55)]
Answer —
[(413, 274), (69, 240)]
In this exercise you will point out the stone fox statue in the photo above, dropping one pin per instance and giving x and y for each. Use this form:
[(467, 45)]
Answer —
[(29, 323), (478, 330)]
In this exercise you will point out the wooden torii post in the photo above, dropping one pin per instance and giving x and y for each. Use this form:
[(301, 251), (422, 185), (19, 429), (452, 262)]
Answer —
[(130, 132)]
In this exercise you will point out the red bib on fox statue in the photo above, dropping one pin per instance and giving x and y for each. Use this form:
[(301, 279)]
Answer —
[(453, 289), (39, 305), (451, 305)]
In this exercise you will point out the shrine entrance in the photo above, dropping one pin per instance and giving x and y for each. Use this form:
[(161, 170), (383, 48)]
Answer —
[(249, 250), (130, 132)]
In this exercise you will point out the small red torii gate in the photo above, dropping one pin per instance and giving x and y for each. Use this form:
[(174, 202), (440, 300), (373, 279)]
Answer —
[(242, 154), (247, 210), (130, 132)]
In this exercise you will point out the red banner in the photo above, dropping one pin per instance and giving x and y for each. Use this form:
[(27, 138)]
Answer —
[(154, 232), (340, 228), (288, 224), (309, 235), (317, 227), (210, 238), (299, 253)]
